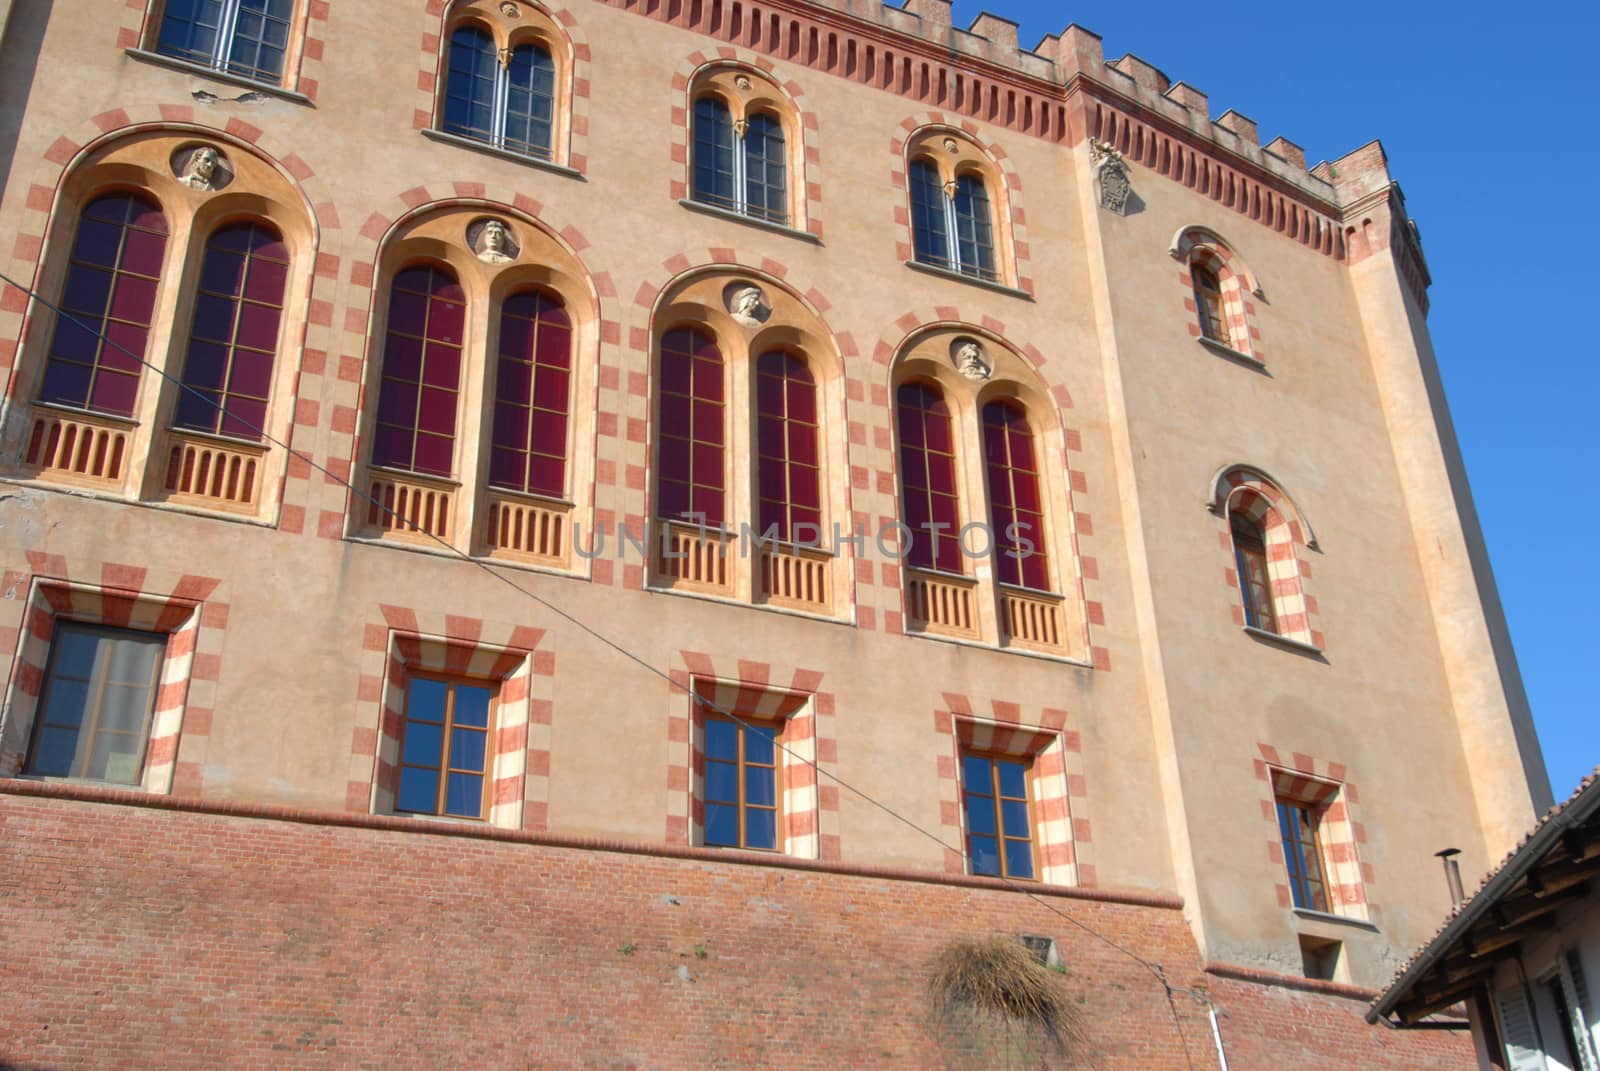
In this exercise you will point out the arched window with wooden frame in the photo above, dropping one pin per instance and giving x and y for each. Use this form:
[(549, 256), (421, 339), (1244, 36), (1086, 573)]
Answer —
[(930, 498), (744, 140), (504, 79), (957, 202), (788, 453), (1250, 560), (1208, 303), (1269, 543), (108, 306), (691, 480), (258, 40), (532, 395), (1220, 293), (420, 385), (1016, 504)]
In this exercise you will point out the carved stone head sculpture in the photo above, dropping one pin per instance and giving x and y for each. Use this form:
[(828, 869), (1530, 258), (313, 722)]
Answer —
[(972, 362), (201, 169), (494, 244), (748, 306)]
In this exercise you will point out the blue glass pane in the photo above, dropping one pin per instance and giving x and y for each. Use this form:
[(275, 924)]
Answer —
[(422, 744), (980, 815), (53, 752), (66, 703), (1013, 778), (722, 782), (1019, 859), (975, 774), (470, 84), (760, 785), (463, 796), (766, 187), (928, 228), (722, 740), (530, 101), (713, 153), (1014, 813), (73, 652), (189, 29), (467, 747), (722, 825), (985, 855), (425, 700), (974, 228), (758, 743), (472, 705), (260, 37), (760, 829), (419, 791)]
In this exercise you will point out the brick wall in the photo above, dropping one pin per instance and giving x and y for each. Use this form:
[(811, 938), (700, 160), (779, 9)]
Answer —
[(151, 932)]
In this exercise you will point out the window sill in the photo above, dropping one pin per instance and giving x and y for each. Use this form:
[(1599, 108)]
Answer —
[(972, 280), (1286, 642), (190, 67), (504, 154), (655, 587), (1223, 350), (93, 414), (122, 498), (1311, 915), (750, 221), (1001, 649)]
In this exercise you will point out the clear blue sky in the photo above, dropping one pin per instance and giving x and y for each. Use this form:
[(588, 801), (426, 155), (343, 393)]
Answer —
[(1491, 117)]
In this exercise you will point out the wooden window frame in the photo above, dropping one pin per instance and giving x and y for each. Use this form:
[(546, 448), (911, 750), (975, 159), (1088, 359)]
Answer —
[(95, 706), (1209, 305), (1301, 881), (781, 500), (997, 468), (940, 539), (293, 50), (498, 135), (743, 723), (691, 435), (995, 798), (1249, 543), (444, 769)]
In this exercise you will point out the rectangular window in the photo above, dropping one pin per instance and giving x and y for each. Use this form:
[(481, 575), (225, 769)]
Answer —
[(995, 797), (741, 784), (94, 713), (444, 748), (1302, 854)]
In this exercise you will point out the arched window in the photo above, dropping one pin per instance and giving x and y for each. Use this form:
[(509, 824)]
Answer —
[(1016, 510), (1250, 560), (691, 485), (952, 224), (416, 421), (111, 288), (788, 475), (248, 38), (237, 309), (741, 166), (1208, 303), (928, 477), (508, 105), (532, 388)]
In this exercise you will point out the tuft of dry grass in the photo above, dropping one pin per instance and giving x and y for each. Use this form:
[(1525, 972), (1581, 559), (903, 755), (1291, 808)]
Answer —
[(999, 976)]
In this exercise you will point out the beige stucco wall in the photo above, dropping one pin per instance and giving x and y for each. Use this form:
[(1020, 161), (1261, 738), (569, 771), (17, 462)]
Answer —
[(1169, 732)]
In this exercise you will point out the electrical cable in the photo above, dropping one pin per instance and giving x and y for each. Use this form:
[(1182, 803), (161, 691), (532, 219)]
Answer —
[(1154, 969)]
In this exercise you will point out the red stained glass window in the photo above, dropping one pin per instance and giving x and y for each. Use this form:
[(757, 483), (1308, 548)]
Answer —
[(693, 429), (1016, 511), (928, 477), (789, 476), (532, 388), (237, 307), (108, 303), (416, 425)]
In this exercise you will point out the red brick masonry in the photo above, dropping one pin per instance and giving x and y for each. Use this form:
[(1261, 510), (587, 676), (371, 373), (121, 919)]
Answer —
[(152, 932)]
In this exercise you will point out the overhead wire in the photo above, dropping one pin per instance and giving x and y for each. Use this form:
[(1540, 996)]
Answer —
[(1154, 969)]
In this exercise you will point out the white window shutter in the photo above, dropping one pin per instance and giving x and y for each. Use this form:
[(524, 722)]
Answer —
[(1577, 990), (1516, 1027)]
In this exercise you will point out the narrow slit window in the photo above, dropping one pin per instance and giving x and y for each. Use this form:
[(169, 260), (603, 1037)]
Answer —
[(227, 373), (1255, 582), (1208, 302), (107, 306)]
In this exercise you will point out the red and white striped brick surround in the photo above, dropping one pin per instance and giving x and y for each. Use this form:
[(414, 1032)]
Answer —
[(810, 750), (122, 596), (1062, 831), (1196, 245), (1287, 538), (1325, 786), (400, 641)]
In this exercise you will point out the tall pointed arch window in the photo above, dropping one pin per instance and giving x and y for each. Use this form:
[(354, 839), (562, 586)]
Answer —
[(110, 291), (789, 474), (417, 397), (740, 165), (503, 98), (1250, 561), (533, 374), (227, 372), (692, 482), (928, 477), (249, 38), (1016, 508), (952, 223), (1208, 303)]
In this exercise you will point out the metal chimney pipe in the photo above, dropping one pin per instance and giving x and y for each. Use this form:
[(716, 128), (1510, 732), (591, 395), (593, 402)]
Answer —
[(1452, 874)]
